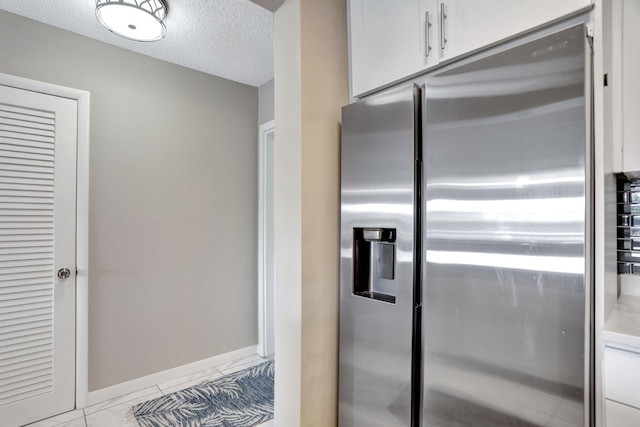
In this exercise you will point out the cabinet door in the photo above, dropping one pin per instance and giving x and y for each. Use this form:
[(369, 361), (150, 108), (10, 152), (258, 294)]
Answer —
[(622, 376), (630, 90), (618, 415), (386, 42), (472, 24)]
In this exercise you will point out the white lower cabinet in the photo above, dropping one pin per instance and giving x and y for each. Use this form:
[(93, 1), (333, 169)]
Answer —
[(619, 415), (622, 387), (622, 376)]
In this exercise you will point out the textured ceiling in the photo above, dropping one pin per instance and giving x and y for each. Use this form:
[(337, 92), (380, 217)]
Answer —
[(227, 38)]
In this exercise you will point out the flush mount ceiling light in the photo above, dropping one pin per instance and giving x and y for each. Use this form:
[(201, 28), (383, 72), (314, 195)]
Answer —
[(140, 20)]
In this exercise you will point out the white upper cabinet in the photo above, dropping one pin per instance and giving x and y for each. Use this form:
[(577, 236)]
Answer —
[(471, 24), (394, 39), (625, 86), (385, 41)]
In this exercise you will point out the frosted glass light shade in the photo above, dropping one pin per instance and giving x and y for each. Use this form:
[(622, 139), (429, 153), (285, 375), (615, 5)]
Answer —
[(140, 20)]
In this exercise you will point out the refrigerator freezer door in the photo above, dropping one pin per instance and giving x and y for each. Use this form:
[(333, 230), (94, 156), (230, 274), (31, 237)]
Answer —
[(376, 261), (505, 285)]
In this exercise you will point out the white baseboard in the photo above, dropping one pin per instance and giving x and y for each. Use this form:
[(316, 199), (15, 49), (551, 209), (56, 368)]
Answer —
[(137, 384)]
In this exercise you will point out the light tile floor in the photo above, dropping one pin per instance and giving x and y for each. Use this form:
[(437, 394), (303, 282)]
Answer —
[(115, 412)]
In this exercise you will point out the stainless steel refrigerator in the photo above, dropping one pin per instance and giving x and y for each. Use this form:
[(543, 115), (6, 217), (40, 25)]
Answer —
[(466, 288)]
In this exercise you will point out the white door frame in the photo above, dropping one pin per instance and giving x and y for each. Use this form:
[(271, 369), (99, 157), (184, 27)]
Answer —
[(82, 222), (265, 324)]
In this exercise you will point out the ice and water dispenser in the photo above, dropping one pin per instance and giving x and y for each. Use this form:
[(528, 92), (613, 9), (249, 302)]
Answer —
[(374, 259)]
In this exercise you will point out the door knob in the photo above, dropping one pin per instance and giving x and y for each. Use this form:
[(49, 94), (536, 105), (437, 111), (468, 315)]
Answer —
[(64, 273)]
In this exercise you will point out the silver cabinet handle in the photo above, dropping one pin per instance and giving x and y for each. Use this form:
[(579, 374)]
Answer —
[(443, 37), (64, 273), (427, 30)]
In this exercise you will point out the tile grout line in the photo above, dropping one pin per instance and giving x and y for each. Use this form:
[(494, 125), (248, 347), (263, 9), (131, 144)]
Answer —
[(201, 375), (243, 366), (113, 404)]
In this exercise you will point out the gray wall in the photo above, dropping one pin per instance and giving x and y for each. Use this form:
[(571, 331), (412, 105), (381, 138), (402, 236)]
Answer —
[(173, 201), (265, 102)]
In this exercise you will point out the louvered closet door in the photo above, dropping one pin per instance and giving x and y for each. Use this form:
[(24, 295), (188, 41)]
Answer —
[(37, 238)]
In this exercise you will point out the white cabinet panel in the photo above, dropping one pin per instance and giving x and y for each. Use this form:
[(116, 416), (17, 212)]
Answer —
[(622, 376), (618, 415), (386, 41), (470, 24), (630, 90), (356, 47), (392, 39)]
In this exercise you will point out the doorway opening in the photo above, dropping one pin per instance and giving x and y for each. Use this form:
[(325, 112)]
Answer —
[(266, 255)]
